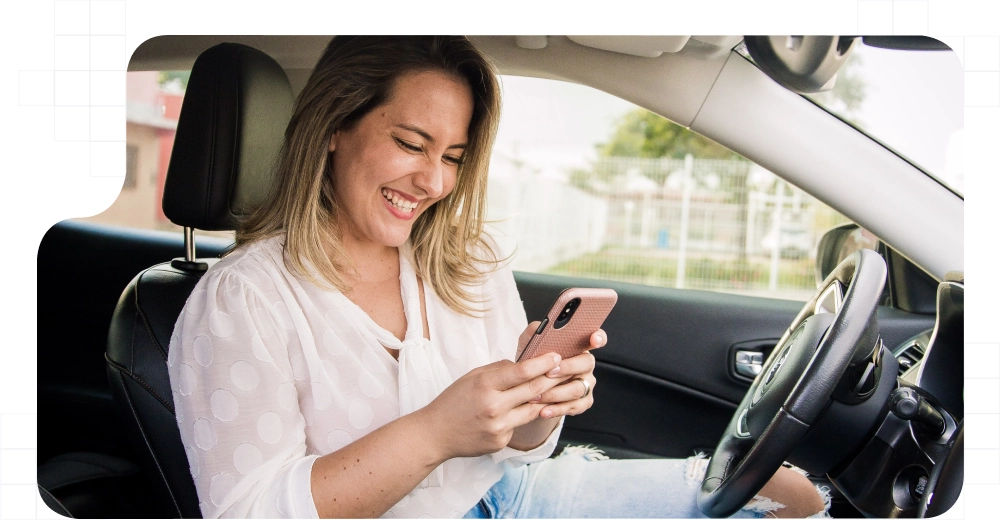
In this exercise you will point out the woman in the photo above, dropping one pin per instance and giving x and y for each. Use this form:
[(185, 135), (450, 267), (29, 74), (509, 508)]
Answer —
[(352, 356)]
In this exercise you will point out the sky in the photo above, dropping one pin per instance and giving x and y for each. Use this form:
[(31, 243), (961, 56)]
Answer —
[(914, 103)]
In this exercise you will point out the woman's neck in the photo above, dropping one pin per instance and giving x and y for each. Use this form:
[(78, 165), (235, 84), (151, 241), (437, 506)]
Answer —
[(372, 262)]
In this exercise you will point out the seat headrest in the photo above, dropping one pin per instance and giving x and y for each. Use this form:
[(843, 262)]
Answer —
[(231, 127)]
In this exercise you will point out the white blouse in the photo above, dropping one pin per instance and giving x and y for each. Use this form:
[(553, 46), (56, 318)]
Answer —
[(270, 371)]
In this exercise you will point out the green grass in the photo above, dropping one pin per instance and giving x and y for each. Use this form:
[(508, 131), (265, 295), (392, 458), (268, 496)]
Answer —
[(702, 272)]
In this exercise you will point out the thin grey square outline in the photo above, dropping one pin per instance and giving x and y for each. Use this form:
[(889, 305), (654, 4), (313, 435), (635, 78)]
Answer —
[(20, 449), (90, 26), (892, 14), (981, 70), (966, 416), (4, 415), (997, 72), (982, 483), (54, 33), (927, 15), (92, 91), (92, 36), (54, 104), (33, 486), (82, 140), (90, 169)]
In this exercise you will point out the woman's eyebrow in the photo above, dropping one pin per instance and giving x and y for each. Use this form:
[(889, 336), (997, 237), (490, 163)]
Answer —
[(425, 135)]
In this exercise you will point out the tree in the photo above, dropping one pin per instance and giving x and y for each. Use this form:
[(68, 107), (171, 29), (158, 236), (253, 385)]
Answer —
[(641, 133), (174, 79)]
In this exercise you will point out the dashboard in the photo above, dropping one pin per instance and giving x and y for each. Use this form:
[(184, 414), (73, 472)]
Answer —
[(912, 466)]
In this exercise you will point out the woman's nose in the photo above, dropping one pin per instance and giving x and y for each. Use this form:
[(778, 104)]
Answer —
[(430, 179)]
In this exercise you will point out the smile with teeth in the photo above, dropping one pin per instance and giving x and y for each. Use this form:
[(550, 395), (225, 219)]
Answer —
[(401, 204)]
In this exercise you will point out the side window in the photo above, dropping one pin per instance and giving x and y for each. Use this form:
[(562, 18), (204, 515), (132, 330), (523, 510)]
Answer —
[(584, 184), (153, 105)]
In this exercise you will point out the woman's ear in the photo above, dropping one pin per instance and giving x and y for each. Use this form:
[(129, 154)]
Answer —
[(333, 141)]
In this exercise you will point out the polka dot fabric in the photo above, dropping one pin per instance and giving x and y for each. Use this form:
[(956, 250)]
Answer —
[(270, 371)]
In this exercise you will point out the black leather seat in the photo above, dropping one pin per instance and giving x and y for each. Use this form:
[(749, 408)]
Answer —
[(237, 105)]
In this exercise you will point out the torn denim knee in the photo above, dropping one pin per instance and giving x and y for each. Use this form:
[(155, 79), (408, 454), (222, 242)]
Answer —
[(696, 467), (824, 493), (587, 452)]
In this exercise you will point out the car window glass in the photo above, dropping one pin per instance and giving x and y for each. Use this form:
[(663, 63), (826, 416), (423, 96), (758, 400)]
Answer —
[(909, 100), (584, 184), (152, 106)]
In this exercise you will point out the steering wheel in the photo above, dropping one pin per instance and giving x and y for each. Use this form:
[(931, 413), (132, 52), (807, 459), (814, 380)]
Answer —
[(822, 355)]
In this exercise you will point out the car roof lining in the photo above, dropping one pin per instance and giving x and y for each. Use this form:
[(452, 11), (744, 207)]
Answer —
[(675, 86)]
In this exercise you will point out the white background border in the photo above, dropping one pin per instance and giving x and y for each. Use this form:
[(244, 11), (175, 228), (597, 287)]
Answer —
[(63, 148)]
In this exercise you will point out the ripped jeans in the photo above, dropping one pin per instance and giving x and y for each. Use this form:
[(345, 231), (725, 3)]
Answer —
[(583, 483)]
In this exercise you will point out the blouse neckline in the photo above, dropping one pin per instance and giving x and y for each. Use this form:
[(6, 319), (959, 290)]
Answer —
[(410, 293)]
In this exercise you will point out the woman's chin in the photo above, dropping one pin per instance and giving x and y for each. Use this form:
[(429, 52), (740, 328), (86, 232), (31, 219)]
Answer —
[(396, 236)]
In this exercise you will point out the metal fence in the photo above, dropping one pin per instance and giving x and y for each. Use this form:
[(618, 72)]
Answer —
[(722, 225)]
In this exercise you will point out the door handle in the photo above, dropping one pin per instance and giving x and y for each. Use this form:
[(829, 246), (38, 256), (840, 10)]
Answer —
[(746, 359), (749, 363)]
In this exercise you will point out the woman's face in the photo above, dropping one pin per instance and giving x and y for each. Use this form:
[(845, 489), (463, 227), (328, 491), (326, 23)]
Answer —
[(402, 157)]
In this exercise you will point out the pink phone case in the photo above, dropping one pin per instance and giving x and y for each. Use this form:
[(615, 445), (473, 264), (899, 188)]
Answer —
[(573, 337)]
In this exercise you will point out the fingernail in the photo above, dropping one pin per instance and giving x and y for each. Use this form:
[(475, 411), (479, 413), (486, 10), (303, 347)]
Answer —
[(546, 413), (600, 338), (553, 372), (556, 358), (536, 398)]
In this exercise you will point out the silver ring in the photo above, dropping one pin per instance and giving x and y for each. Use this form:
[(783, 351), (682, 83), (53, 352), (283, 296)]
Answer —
[(586, 387)]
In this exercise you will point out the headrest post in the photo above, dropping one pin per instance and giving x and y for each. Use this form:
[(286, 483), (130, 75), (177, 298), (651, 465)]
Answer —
[(189, 253), (190, 261)]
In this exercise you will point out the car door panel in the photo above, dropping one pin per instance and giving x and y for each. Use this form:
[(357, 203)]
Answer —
[(665, 380)]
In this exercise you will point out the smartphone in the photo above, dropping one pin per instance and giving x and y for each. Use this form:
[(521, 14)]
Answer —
[(576, 314)]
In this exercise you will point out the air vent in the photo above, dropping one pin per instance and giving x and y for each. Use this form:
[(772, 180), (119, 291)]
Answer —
[(909, 356)]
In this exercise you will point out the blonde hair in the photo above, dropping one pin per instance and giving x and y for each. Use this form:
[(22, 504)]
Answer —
[(355, 75)]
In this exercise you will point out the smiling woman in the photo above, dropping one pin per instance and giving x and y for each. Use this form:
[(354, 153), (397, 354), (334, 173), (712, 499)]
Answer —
[(352, 356), (354, 77), (390, 169)]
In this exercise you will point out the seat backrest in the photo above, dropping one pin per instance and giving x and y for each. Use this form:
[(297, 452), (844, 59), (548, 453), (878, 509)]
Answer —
[(236, 107)]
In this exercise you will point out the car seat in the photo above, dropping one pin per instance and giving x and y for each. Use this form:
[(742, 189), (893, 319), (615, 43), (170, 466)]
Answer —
[(231, 127)]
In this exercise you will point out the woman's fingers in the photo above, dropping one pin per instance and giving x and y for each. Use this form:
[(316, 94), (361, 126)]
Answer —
[(581, 398), (598, 339), (529, 391), (569, 390), (574, 366), (509, 375)]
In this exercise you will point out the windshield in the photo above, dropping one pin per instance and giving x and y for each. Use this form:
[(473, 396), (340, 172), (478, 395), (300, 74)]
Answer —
[(911, 101)]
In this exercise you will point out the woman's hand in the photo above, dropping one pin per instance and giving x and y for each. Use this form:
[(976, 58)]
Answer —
[(568, 398), (478, 413), (575, 392)]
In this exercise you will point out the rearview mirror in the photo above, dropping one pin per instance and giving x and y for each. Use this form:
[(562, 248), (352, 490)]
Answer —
[(802, 64), (837, 244)]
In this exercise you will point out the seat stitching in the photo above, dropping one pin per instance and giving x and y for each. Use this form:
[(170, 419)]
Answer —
[(145, 322), (156, 460), (136, 378)]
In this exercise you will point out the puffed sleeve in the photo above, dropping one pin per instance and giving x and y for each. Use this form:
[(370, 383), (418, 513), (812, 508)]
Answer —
[(505, 320), (236, 404)]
